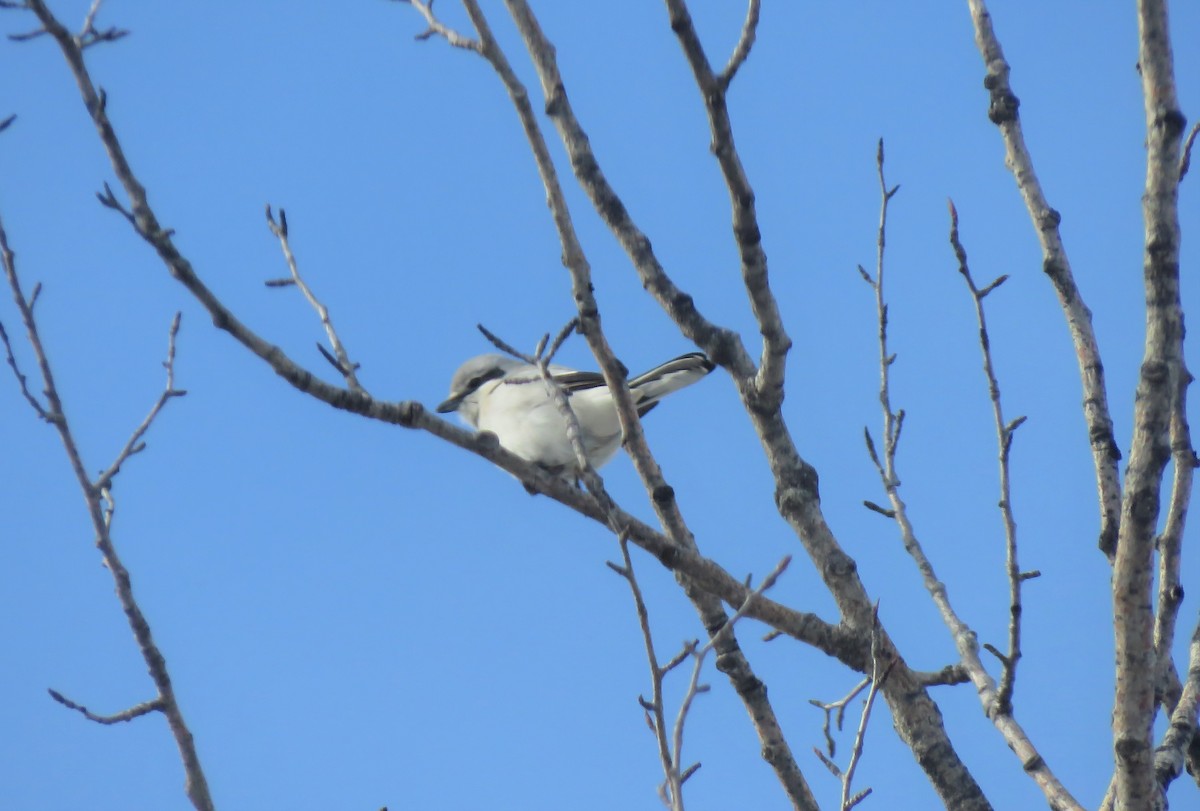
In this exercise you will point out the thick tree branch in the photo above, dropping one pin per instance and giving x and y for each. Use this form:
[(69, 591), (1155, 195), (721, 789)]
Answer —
[(776, 343), (1170, 546), (730, 658), (1157, 399), (832, 639), (1003, 113), (917, 717)]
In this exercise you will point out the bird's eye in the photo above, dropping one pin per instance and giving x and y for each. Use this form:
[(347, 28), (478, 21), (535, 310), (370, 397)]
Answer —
[(474, 382)]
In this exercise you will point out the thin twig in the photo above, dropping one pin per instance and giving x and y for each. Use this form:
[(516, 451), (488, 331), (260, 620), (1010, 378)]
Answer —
[(768, 581), (12, 359), (879, 673), (89, 35), (134, 443), (744, 44), (437, 29), (1185, 160), (146, 707), (654, 708), (832, 718), (1004, 438), (343, 364), (504, 346), (716, 641), (964, 637)]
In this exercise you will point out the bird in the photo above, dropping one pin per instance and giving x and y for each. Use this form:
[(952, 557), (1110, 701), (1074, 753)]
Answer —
[(509, 398)]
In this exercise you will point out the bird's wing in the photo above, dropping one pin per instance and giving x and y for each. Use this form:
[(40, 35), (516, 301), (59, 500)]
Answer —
[(573, 381)]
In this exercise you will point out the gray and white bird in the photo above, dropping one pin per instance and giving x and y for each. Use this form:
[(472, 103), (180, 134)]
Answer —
[(508, 397)]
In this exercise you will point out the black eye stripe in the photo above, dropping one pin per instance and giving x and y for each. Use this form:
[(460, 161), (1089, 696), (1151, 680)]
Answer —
[(477, 381)]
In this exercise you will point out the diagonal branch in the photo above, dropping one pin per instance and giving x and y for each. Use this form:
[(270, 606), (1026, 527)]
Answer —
[(1003, 113), (134, 444), (22, 381), (768, 388), (879, 674), (437, 29), (831, 639), (742, 50), (341, 362), (95, 495), (1170, 755)]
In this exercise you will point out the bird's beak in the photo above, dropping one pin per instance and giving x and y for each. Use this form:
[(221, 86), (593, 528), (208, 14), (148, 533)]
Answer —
[(450, 405)]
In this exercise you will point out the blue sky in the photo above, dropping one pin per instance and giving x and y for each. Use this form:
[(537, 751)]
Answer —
[(357, 616)]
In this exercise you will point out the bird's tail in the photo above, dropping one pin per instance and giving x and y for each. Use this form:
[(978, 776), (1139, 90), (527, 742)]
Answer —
[(652, 386)]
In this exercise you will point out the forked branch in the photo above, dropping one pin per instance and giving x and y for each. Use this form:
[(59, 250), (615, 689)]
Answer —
[(99, 505), (1003, 113), (340, 359), (1004, 437), (964, 637)]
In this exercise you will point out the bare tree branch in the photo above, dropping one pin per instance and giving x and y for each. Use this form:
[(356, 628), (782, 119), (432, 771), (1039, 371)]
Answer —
[(1003, 113), (918, 720), (654, 708), (835, 712), (965, 639), (96, 494), (1170, 755), (146, 707), (837, 718), (768, 384), (1185, 161), (1157, 399), (879, 673), (1004, 437), (22, 381), (342, 363), (1169, 545), (742, 50), (437, 29), (89, 35), (806, 627), (134, 444), (750, 689)]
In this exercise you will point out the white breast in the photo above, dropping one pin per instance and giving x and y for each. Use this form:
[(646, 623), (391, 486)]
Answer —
[(526, 420)]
